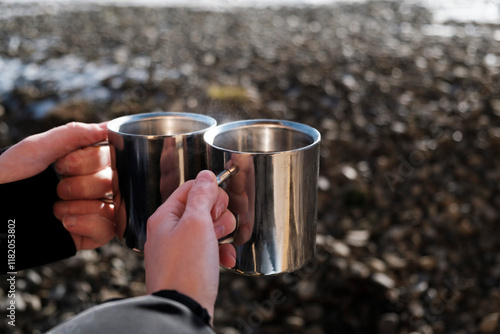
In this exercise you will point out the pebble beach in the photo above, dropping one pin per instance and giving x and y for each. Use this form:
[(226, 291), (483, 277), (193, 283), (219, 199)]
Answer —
[(409, 113)]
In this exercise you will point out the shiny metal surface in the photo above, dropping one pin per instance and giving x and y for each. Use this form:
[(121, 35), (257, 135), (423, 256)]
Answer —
[(152, 155), (273, 193), (226, 174)]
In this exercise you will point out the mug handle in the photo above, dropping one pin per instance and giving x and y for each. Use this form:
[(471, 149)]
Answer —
[(221, 177), (226, 174)]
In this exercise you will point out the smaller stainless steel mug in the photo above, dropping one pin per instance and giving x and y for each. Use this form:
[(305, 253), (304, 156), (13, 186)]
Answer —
[(151, 156), (272, 190)]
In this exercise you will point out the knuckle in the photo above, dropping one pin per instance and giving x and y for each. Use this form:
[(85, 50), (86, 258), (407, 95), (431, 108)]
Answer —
[(73, 126), (87, 133), (73, 161), (201, 197)]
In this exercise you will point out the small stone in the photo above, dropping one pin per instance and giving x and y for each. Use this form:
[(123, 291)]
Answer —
[(295, 322), (306, 290), (396, 233), (419, 288), (118, 263), (20, 302), (339, 263), (398, 127), (33, 277), (376, 264), (119, 281), (388, 323), (82, 286), (58, 292), (323, 183), (416, 309), (333, 245), (425, 329), (107, 294), (341, 249), (427, 263), (394, 261), (357, 238), (465, 227), (209, 59), (359, 269), (33, 302), (349, 172), (384, 280), (489, 323)]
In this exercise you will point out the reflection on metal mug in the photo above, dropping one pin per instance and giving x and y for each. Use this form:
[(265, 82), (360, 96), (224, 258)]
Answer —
[(152, 155), (272, 190)]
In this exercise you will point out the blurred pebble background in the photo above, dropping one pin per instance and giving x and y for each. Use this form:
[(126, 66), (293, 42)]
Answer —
[(406, 96)]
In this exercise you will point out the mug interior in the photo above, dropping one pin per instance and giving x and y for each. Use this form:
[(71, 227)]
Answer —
[(162, 125), (262, 138)]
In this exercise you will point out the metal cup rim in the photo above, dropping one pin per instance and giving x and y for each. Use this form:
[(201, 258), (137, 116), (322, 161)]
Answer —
[(210, 135), (115, 124)]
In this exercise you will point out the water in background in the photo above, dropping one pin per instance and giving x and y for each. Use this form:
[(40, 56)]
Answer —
[(482, 11), (80, 78)]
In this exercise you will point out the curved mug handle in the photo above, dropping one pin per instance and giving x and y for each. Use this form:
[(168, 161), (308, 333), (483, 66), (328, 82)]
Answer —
[(221, 177)]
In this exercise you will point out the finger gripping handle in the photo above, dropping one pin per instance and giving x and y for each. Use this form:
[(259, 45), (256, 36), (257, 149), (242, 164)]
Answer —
[(221, 177)]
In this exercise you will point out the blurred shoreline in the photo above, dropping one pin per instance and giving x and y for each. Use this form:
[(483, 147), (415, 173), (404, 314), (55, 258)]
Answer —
[(479, 11), (26, 58)]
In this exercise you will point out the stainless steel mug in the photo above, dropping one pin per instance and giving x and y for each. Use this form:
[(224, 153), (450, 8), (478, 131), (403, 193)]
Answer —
[(272, 190), (152, 155)]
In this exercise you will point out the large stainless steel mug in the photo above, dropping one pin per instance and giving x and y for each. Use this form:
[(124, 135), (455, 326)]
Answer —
[(272, 190), (152, 155)]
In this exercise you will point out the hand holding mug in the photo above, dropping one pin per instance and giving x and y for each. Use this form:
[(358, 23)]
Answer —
[(85, 172), (182, 252)]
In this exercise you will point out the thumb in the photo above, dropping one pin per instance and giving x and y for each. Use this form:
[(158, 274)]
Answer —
[(65, 139), (35, 153), (191, 202), (203, 195)]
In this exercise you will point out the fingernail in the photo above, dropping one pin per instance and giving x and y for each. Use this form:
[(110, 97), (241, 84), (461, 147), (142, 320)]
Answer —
[(205, 177), (69, 221), (58, 168), (219, 209), (61, 168), (219, 231)]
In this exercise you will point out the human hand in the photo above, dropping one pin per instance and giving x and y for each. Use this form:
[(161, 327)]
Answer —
[(182, 252), (86, 177), (34, 154), (86, 181)]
